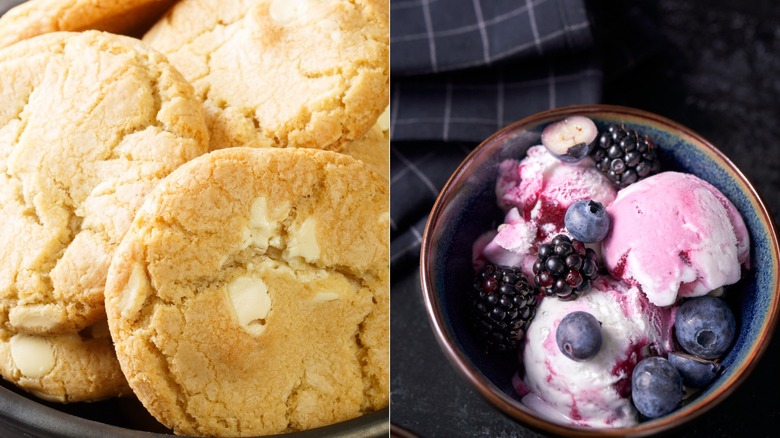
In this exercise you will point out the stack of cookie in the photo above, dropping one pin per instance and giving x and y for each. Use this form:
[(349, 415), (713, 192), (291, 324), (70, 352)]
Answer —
[(200, 217)]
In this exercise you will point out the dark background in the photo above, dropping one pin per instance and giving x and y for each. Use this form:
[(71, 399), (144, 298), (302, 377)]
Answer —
[(713, 66)]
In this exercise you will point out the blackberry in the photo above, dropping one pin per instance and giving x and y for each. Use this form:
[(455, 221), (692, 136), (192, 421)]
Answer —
[(565, 268), (624, 156), (503, 305)]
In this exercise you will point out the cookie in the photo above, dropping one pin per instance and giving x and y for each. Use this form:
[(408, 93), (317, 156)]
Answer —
[(373, 150), (251, 294), (36, 17), (280, 73), (90, 122), (70, 367)]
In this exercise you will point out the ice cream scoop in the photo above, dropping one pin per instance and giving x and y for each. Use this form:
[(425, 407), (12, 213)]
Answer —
[(675, 235), (536, 192), (593, 392), (542, 187)]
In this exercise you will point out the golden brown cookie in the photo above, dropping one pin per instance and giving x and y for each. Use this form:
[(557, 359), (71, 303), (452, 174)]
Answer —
[(250, 296), (373, 149), (281, 73), (36, 17), (68, 367), (89, 123)]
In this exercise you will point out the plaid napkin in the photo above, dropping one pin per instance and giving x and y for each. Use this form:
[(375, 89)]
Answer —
[(463, 69)]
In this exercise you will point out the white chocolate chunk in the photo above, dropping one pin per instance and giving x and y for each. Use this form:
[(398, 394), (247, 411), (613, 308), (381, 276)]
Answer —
[(311, 275), (258, 214), (384, 119), (303, 241), (285, 11), (32, 355), (38, 318), (250, 302), (135, 292), (263, 226), (322, 297)]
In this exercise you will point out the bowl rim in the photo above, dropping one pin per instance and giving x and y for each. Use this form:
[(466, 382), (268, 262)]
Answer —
[(24, 416), (508, 406)]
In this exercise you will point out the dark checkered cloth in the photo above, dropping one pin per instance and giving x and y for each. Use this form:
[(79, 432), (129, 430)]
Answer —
[(463, 69)]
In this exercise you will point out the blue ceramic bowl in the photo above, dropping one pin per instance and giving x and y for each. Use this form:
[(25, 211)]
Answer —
[(466, 207)]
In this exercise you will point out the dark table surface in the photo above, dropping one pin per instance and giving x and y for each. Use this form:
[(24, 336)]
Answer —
[(717, 70)]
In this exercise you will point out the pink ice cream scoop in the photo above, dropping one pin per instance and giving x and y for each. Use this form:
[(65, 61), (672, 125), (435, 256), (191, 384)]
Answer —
[(675, 235), (594, 392), (511, 245), (535, 192), (542, 187)]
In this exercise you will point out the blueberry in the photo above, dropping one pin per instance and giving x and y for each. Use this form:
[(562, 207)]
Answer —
[(695, 372), (579, 336), (656, 387), (587, 221), (705, 326)]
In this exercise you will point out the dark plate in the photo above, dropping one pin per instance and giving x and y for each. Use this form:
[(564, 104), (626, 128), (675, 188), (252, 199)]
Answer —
[(23, 416)]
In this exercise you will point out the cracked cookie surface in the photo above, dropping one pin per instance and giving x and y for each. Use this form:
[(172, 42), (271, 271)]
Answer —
[(251, 294), (89, 123), (36, 17), (281, 73)]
